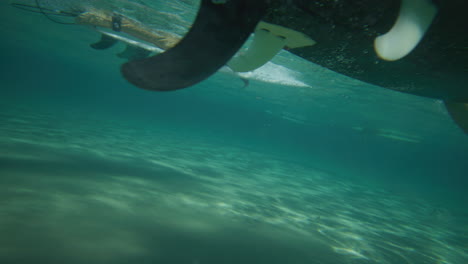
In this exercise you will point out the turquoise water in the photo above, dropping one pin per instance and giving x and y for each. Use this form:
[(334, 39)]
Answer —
[(301, 166)]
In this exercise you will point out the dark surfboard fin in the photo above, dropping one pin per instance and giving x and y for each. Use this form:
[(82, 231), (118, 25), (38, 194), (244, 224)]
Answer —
[(459, 114), (104, 43), (218, 32), (134, 53), (245, 81)]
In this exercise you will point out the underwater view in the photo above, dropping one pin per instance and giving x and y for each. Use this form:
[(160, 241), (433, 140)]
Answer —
[(283, 156)]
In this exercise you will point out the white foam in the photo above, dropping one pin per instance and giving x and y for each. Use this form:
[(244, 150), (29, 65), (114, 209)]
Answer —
[(276, 74)]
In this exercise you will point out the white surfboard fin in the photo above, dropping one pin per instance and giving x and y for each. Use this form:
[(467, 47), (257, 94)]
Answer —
[(414, 19), (268, 40)]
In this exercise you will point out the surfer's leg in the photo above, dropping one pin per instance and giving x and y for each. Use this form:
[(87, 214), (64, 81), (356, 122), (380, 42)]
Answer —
[(218, 32)]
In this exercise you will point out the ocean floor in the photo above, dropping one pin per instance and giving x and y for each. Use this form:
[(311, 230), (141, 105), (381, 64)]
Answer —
[(96, 191)]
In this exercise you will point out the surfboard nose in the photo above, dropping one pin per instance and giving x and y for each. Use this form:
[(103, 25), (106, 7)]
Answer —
[(219, 31)]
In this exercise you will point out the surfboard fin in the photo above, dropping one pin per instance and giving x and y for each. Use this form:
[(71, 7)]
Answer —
[(264, 47), (245, 81), (459, 114), (269, 39), (104, 43), (414, 19), (219, 30)]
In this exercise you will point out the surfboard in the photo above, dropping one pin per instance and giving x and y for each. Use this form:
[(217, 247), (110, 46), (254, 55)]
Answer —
[(413, 46), (346, 32)]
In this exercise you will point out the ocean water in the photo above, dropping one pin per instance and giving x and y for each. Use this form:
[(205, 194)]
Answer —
[(301, 166)]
